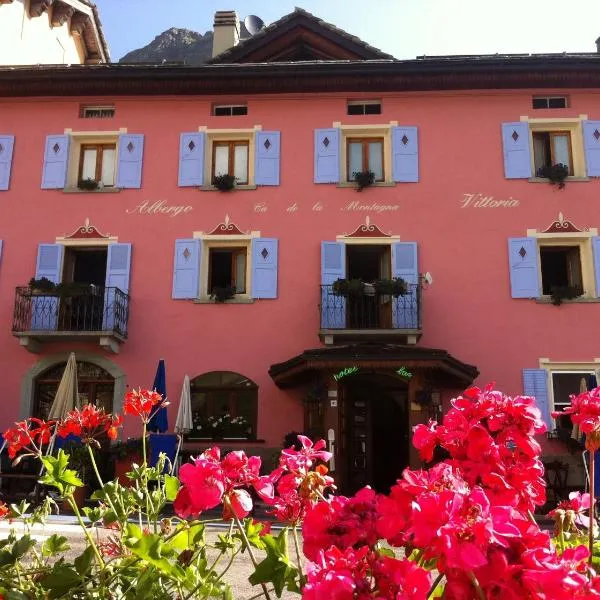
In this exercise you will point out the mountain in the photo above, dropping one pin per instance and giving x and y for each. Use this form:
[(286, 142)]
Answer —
[(177, 45)]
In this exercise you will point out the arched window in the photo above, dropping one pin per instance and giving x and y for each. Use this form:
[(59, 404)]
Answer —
[(94, 385), (224, 405)]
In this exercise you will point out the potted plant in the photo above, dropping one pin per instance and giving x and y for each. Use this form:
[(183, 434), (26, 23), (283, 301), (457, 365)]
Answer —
[(363, 179), (42, 286), (70, 289), (224, 182), (557, 174), (79, 459), (221, 294), (392, 287), (87, 184), (126, 453), (565, 292), (348, 287), (225, 426)]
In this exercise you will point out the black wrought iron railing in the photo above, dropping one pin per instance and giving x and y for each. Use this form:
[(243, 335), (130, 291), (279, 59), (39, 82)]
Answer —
[(371, 310), (93, 309)]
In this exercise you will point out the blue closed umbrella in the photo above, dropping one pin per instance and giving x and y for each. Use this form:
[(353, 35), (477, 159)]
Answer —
[(158, 422)]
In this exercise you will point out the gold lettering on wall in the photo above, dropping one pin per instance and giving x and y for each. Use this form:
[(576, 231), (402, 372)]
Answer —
[(483, 201), (160, 207)]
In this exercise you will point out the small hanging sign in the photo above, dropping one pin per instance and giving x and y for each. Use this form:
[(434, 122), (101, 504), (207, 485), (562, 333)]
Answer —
[(404, 372), (345, 373)]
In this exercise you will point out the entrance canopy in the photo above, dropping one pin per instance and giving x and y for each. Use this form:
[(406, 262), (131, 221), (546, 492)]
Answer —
[(439, 363)]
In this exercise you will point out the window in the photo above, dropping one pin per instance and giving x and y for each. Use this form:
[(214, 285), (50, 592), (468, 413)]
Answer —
[(227, 269), (551, 148), (94, 386), (224, 405), (563, 385), (561, 268), (549, 102), (229, 110), (97, 112), (364, 107), (231, 158), (98, 163), (365, 154)]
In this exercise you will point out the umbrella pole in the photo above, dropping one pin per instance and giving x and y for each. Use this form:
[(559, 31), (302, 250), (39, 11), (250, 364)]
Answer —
[(179, 442), (1, 451)]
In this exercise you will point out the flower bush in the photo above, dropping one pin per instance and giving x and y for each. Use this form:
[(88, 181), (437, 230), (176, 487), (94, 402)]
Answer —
[(460, 530)]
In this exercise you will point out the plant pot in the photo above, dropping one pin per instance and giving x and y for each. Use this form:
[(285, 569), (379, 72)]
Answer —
[(80, 495), (124, 466)]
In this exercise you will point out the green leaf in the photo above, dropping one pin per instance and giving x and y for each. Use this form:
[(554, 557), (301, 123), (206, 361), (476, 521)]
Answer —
[(149, 547), (253, 533), (171, 487), (384, 551), (57, 473), (55, 544), (83, 563), (94, 514), (22, 546), (276, 568), (60, 580)]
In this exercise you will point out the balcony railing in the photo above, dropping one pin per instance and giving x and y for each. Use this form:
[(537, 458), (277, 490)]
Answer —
[(371, 311), (96, 310)]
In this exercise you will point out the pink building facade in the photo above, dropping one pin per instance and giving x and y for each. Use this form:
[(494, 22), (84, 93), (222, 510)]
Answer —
[(462, 152)]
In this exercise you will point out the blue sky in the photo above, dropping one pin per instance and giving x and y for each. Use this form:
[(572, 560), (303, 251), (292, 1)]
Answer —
[(403, 28)]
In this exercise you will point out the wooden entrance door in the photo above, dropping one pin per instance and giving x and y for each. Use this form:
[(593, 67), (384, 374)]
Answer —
[(375, 424)]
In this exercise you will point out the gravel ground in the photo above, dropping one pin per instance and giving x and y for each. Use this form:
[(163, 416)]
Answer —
[(237, 576)]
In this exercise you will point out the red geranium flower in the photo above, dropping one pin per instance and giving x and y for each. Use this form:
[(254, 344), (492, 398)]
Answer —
[(4, 510), (141, 403), (89, 423), (30, 435)]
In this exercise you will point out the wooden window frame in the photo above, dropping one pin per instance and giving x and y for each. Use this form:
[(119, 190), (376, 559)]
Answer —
[(231, 144), (228, 110), (553, 133), (233, 407), (235, 252), (566, 249), (365, 141), (99, 160)]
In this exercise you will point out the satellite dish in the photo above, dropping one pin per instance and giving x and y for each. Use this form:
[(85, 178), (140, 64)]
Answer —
[(428, 278), (253, 24)]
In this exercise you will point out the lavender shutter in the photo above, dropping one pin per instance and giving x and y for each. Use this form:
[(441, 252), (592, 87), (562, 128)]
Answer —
[(44, 309), (327, 156), (130, 158), (56, 159), (191, 159), (405, 154), (7, 143), (591, 144), (535, 383), (517, 156), (523, 265), (118, 268), (264, 267), (405, 309), (186, 269), (333, 267), (268, 158), (596, 249)]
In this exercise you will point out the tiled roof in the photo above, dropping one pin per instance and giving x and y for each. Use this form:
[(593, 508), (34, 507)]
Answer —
[(98, 23), (298, 12)]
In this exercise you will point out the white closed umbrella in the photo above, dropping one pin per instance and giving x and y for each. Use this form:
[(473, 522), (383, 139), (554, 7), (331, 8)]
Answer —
[(184, 422), (66, 398)]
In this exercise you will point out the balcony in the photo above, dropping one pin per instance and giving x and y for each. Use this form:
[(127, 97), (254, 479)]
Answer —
[(90, 314), (370, 316)]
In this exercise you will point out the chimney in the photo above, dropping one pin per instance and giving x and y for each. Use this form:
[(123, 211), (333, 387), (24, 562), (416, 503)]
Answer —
[(226, 31), (598, 45)]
